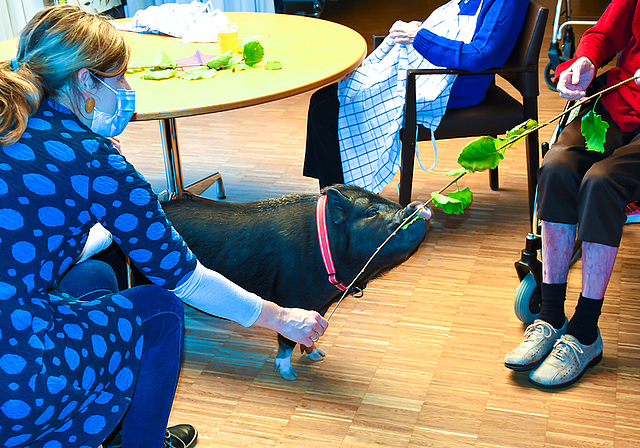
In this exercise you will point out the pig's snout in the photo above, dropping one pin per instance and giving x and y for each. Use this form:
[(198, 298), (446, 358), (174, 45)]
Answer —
[(425, 212)]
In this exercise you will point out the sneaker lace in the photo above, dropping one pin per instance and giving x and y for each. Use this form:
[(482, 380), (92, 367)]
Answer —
[(167, 440), (532, 331), (563, 347)]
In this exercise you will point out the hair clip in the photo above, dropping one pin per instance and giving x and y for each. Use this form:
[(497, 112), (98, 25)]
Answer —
[(14, 64)]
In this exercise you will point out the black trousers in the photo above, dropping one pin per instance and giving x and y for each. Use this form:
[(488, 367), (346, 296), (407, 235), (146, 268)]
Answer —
[(587, 188), (322, 154)]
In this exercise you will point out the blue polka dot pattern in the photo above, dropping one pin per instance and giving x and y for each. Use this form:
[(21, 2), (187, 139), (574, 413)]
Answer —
[(39, 184), (19, 151), (10, 219), (51, 216), (68, 367), (60, 151)]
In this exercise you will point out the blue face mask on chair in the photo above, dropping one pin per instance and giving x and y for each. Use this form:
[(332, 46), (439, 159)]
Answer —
[(112, 124)]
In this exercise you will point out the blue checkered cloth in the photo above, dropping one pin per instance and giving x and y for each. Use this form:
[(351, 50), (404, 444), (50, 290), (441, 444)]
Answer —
[(372, 102)]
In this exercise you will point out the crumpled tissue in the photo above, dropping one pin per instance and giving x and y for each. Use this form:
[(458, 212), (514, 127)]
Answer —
[(193, 22)]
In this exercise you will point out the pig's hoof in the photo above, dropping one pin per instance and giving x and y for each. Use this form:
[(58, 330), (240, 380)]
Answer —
[(286, 370), (316, 355)]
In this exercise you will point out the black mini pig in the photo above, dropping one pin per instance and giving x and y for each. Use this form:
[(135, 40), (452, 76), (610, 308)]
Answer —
[(271, 247)]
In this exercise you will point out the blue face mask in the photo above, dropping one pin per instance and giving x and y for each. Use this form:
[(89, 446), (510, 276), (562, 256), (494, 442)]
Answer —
[(112, 124)]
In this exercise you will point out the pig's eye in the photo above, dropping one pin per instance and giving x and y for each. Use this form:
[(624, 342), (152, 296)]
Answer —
[(370, 213)]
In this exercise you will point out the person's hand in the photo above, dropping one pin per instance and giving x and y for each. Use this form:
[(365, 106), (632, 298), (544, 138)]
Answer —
[(573, 82), (404, 32), (301, 326)]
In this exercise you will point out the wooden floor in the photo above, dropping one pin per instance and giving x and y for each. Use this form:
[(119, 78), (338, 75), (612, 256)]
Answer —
[(417, 361)]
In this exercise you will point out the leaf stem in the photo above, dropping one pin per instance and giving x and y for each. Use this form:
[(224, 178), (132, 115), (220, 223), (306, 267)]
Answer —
[(402, 224), (454, 181), (577, 104)]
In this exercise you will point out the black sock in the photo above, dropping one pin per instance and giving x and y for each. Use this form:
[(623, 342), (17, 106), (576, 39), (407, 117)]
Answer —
[(552, 309), (584, 323)]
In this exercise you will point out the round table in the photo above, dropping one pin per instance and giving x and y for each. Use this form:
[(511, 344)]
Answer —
[(313, 53)]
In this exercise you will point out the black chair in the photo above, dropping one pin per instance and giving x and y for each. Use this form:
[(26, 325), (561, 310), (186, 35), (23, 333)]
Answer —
[(496, 114)]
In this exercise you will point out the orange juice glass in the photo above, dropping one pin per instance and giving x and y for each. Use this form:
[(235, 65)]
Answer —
[(228, 37)]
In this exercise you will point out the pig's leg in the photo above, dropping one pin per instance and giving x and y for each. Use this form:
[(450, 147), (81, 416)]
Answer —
[(283, 359), (283, 364), (313, 352)]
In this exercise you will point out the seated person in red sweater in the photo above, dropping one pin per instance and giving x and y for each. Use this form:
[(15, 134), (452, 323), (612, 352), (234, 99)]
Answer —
[(585, 192)]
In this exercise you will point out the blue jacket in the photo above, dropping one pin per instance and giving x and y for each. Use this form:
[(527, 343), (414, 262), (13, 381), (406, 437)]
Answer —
[(497, 29)]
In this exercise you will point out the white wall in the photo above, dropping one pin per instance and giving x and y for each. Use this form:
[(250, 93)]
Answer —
[(14, 14)]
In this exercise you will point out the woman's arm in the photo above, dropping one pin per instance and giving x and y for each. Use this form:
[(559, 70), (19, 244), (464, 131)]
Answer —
[(212, 293), (499, 24)]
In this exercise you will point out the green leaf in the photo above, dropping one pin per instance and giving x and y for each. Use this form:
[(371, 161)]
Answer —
[(594, 131), (450, 205), (513, 135), (162, 62), (220, 61), (197, 73), (465, 196), (158, 75), (521, 129), (456, 173), (500, 143), (408, 223), (136, 67), (252, 53), (480, 154), (241, 66), (273, 65)]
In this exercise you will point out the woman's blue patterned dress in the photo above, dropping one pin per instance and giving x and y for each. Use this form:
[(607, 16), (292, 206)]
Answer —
[(68, 368)]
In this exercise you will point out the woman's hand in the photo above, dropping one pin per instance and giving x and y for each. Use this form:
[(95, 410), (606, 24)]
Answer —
[(301, 326), (573, 82), (404, 32)]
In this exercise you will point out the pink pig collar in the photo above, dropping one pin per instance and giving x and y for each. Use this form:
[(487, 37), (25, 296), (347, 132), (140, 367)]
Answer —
[(325, 248)]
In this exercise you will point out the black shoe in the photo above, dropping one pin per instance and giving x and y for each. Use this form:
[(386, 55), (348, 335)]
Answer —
[(115, 438), (179, 436)]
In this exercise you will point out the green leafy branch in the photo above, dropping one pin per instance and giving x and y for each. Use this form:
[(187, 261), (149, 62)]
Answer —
[(163, 66), (486, 152)]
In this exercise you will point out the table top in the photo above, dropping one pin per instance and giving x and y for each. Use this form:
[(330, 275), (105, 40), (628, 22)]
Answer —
[(313, 53)]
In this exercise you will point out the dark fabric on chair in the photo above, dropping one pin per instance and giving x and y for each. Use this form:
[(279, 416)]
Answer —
[(506, 111)]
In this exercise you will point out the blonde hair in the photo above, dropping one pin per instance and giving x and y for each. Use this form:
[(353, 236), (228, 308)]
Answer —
[(55, 44)]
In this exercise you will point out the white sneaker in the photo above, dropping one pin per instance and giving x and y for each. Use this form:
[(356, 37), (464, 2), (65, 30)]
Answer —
[(567, 362), (539, 338)]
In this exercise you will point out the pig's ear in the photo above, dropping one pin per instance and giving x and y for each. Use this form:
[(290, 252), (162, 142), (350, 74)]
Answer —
[(337, 205)]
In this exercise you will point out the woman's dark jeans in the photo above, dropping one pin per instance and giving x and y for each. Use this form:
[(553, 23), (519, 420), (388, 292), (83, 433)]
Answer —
[(161, 312)]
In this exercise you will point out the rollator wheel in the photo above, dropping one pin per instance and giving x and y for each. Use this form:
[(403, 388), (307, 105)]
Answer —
[(549, 74), (528, 299)]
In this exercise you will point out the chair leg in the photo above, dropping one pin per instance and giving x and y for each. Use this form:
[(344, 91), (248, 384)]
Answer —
[(533, 163), (493, 179), (407, 155)]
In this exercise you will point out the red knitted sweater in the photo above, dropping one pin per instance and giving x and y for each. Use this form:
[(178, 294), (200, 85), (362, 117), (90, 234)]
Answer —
[(617, 31)]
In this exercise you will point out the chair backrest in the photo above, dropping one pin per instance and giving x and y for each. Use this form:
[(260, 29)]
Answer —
[(526, 51)]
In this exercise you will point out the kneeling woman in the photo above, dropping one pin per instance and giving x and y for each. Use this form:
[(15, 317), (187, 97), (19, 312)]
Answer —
[(77, 357)]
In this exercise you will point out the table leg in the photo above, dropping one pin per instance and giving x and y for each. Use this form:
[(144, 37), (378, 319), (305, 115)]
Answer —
[(173, 169)]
